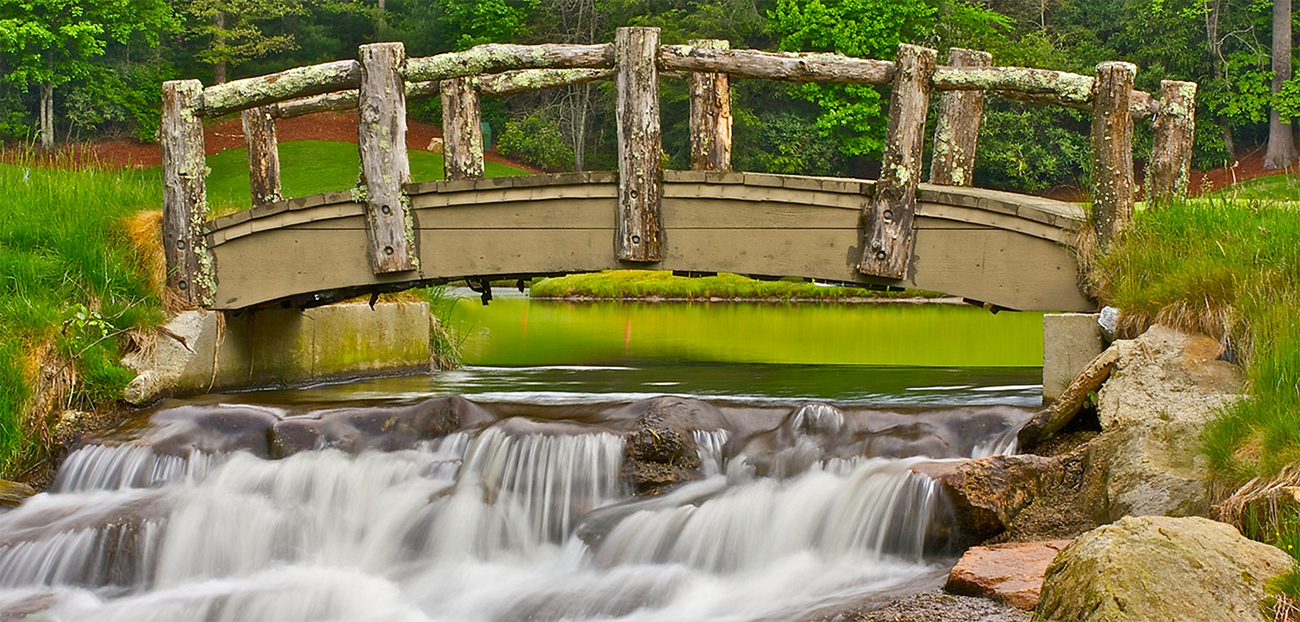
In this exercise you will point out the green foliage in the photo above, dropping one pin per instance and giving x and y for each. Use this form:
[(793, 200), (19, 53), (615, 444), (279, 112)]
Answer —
[(484, 21), (1026, 147), (71, 284), (232, 32), (537, 141), (851, 114), (785, 142), (618, 284)]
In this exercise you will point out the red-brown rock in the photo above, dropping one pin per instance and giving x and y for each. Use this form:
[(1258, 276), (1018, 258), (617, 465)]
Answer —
[(1008, 573)]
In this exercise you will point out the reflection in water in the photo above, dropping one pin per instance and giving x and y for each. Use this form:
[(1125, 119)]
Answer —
[(516, 331)]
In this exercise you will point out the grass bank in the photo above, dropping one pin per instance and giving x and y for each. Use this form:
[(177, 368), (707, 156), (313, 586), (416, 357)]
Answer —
[(638, 284), (72, 284), (1230, 269), (80, 271)]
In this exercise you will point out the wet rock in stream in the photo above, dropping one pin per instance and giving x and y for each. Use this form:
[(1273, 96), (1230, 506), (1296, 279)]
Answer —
[(661, 451)]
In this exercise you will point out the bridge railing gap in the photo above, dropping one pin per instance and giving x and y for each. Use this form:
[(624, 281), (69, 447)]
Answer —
[(383, 79)]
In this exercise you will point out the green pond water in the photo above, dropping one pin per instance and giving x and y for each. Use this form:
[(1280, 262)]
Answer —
[(516, 331)]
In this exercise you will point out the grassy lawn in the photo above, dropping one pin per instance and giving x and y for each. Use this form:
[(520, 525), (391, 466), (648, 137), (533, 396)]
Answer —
[(79, 269), (310, 167), (72, 283), (1284, 187), (1230, 269), (618, 284)]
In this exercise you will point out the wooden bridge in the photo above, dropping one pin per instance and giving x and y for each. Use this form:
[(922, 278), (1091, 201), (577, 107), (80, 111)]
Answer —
[(1001, 249)]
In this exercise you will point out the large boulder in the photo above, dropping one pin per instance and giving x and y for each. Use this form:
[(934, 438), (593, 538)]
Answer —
[(1165, 387), (988, 493), (660, 451), (1009, 573), (1160, 568)]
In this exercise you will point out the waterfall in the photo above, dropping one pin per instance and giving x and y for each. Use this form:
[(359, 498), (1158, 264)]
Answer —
[(515, 519)]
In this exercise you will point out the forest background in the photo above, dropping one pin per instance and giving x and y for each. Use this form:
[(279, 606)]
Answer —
[(77, 70)]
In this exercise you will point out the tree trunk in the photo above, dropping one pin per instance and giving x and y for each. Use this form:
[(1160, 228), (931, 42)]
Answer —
[(47, 115), (219, 41), (640, 146), (1112, 151), (889, 215), (1281, 150), (381, 138)]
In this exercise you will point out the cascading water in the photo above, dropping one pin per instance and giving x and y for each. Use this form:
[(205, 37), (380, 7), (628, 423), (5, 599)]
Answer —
[(508, 516)]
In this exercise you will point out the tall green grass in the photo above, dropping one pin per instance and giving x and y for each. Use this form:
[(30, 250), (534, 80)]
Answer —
[(620, 284), (71, 285), (1230, 269)]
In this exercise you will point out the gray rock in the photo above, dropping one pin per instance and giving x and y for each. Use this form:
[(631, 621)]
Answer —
[(1108, 322), (1160, 568), (1165, 387)]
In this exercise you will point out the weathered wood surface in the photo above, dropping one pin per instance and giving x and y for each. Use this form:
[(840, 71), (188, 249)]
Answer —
[(797, 67), (1170, 168), (496, 57), (640, 146), (500, 84), (288, 84), (185, 247), (381, 137), (525, 80), (1041, 86), (263, 155), (710, 123), (462, 129), (1050, 420), (1006, 249), (326, 102), (1112, 150), (957, 131), (888, 216)]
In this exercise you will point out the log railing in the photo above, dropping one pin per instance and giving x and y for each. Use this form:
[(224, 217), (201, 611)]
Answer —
[(382, 79)]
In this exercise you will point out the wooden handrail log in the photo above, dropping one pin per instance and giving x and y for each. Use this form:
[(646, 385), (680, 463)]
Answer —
[(797, 67), (1039, 86), (494, 58), (276, 87), (498, 84), (511, 82)]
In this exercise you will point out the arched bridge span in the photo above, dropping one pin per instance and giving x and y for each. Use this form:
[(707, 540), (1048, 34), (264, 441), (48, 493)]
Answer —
[(1004, 249)]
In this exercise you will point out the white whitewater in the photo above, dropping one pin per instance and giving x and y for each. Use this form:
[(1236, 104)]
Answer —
[(482, 527)]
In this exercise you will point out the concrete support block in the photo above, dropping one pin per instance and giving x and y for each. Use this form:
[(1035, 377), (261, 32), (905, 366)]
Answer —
[(201, 351), (1070, 342)]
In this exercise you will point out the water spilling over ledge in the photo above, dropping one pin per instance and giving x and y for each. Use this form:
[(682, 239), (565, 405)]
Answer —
[(443, 508)]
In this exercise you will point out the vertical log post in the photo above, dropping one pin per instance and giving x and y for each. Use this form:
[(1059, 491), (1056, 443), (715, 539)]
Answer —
[(1170, 168), (640, 163), (263, 155), (710, 115), (889, 216), (381, 138), (957, 130), (1112, 150), (462, 129), (185, 204)]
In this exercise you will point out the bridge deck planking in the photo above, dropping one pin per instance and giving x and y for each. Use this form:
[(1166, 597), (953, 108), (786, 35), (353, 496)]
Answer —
[(1005, 249)]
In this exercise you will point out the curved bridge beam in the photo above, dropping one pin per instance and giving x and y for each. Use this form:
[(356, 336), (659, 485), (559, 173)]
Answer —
[(1008, 250)]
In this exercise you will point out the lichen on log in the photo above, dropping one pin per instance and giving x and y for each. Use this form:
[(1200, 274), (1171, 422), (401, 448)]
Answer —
[(493, 58), (640, 147), (381, 138), (185, 248), (710, 123), (890, 214), (462, 129), (1169, 171), (288, 84), (793, 66), (957, 130), (1112, 150)]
